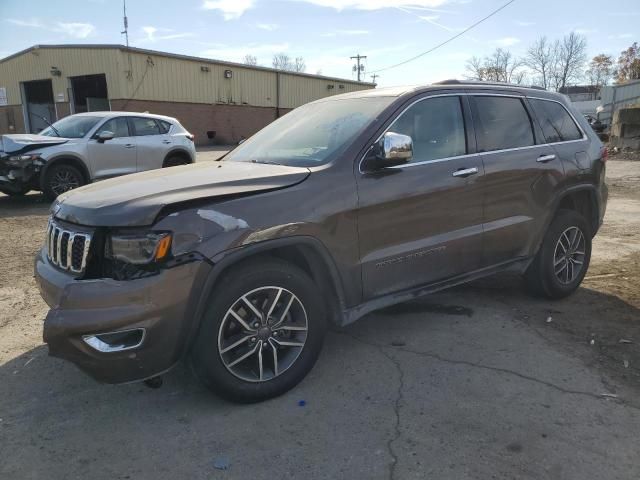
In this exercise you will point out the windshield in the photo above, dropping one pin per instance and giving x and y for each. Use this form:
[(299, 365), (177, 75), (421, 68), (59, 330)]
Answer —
[(312, 134), (71, 127)]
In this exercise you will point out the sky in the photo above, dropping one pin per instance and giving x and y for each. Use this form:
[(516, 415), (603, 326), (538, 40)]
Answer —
[(325, 32)]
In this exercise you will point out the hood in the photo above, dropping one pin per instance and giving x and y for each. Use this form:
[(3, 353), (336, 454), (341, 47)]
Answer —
[(20, 143), (136, 200)]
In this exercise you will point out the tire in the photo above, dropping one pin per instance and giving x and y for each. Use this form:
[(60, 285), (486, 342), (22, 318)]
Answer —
[(551, 274), (174, 161), (61, 178), (213, 356), (15, 193)]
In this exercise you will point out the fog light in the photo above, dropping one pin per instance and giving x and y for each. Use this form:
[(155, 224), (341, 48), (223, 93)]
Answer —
[(116, 341)]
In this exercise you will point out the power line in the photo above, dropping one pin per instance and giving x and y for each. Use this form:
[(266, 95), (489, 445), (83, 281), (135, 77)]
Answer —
[(446, 41)]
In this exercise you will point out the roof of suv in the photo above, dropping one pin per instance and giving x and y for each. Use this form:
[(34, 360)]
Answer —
[(443, 85), (124, 114)]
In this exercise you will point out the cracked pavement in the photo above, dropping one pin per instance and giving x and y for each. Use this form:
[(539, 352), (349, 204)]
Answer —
[(471, 383)]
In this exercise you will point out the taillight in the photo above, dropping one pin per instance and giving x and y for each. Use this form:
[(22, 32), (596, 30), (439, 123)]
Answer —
[(604, 154)]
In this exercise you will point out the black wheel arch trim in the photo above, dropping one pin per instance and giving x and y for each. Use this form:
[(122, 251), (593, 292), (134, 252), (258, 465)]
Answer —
[(75, 161), (178, 151), (230, 257)]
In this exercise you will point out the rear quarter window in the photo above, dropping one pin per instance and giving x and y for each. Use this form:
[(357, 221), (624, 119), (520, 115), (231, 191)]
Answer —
[(502, 123), (556, 123)]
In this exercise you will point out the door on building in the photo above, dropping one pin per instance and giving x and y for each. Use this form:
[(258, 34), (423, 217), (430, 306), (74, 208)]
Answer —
[(39, 108), (89, 93)]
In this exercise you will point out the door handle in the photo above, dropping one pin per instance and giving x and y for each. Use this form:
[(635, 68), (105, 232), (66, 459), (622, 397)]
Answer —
[(465, 172), (546, 158), (129, 145), (166, 142)]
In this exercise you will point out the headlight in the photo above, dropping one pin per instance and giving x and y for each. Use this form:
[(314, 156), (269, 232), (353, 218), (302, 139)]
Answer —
[(139, 248), (22, 160)]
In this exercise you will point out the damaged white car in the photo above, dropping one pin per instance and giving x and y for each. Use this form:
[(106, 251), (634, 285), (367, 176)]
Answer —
[(87, 147)]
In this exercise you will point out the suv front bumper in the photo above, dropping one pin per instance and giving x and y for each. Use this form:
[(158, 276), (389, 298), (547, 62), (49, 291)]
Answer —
[(164, 305)]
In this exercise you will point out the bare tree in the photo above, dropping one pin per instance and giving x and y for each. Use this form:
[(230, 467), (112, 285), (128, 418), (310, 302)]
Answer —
[(500, 66), (250, 60), (282, 61), (541, 58), (629, 64), (570, 59), (600, 70), (299, 65)]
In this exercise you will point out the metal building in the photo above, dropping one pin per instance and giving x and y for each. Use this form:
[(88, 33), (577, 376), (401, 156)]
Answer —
[(212, 99), (615, 97)]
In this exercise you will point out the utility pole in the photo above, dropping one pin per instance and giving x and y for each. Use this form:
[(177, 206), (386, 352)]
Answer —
[(359, 67), (374, 76), (126, 22)]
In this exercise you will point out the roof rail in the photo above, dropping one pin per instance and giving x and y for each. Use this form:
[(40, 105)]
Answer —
[(454, 81)]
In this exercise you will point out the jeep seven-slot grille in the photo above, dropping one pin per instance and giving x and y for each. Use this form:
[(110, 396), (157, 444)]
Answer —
[(67, 249)]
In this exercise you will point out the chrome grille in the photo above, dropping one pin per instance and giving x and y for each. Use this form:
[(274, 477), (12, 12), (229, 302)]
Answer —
[(67, 249)]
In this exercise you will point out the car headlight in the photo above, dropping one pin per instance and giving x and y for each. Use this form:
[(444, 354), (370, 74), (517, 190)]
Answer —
[(22, 160), (139, 248)]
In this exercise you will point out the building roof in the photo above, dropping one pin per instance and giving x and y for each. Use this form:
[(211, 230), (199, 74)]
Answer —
[(144, 51), (579, 89)]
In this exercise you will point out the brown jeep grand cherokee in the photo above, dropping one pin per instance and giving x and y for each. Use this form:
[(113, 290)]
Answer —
[(343, 206)]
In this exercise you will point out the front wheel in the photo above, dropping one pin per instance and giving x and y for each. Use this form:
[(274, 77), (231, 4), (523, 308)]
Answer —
[(563, 258), (261, 333), (61, 178)]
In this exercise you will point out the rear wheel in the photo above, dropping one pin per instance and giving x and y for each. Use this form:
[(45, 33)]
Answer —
[(563, 258), (262, 332), (61, 178), (175, 160)]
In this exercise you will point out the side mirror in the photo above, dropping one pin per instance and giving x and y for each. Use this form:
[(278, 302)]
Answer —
[(392, 149), (104, 136)]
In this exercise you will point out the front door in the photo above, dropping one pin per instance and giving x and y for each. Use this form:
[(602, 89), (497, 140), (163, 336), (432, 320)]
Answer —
[(521, 175), (422, 222), (116, 156)]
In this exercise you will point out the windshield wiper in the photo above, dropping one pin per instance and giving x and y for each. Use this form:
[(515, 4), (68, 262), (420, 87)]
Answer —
[(47, 122), (268, 162)]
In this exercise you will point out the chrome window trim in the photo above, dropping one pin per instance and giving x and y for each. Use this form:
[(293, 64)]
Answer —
[(469, 155)]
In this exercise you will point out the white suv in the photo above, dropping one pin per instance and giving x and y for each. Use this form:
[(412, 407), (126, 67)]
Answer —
[(86, 147)]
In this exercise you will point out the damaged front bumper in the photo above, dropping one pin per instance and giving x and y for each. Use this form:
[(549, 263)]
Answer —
[(20, 173), (121, 331)]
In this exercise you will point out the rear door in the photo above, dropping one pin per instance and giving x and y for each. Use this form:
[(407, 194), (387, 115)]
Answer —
[(422, 222), (521, 176), (116, 156), (152, 142)]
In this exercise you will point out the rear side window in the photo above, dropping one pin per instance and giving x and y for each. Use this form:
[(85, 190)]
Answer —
[(118, 126), (557, 125), (436, 126), (502, 123), (164, 126), (145, 126)]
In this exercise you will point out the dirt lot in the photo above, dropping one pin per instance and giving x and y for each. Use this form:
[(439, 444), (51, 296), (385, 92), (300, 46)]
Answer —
[(478, 382)]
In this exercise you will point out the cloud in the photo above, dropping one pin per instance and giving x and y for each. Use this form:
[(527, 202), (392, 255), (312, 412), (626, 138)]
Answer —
[(521, 23), (264, 52), (75, 29), (376, 4), (621, 36), (231, 9), (269, 27), (69, 29), (585, 31), (33, 23), (151, 35), (346, 33), (506, 41)]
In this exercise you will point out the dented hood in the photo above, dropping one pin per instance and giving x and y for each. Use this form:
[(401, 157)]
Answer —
[(26, 142), (136, 200)]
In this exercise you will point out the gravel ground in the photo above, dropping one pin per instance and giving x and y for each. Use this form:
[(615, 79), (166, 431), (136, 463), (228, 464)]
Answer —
[(475, 382)]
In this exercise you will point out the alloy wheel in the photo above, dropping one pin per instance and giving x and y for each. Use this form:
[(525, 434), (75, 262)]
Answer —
[(569, 255), (262, 334), (63, 181)]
